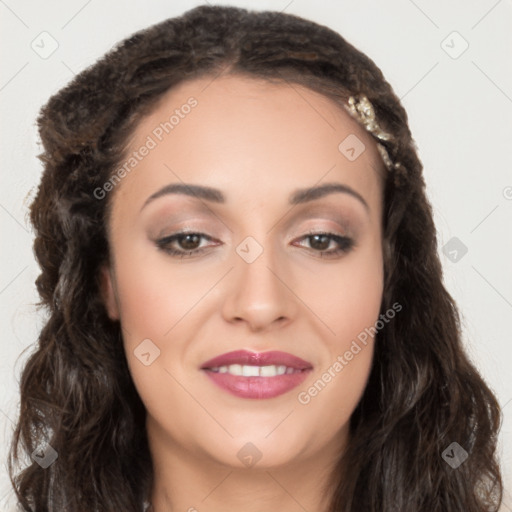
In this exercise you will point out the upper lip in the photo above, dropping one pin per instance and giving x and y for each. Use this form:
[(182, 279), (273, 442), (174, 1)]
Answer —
[(244, 357)]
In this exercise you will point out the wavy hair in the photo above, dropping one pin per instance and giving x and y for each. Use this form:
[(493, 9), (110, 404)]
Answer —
[(77, 396)]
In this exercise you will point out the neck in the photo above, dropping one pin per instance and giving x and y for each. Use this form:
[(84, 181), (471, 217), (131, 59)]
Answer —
[(187, 482)]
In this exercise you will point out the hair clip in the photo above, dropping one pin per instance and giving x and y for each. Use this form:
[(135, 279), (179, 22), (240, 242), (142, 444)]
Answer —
[(361, 109)]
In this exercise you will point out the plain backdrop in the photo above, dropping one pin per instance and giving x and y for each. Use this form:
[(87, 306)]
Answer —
[(449, 62)]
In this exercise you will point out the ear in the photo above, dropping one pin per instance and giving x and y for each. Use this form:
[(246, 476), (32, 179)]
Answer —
[(108, 292)]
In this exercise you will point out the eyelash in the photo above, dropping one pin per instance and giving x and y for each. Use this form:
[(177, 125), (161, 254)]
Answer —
[(345, 244)]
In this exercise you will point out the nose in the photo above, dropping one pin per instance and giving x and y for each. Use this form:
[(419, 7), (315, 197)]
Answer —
[(259, 294)]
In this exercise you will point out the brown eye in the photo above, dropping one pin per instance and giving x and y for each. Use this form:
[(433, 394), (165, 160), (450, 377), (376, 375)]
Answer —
[(320, 243), (183, 244), (189, 242)]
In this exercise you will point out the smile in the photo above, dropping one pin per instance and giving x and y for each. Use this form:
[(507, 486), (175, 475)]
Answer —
[(255, 371), (257, 375)]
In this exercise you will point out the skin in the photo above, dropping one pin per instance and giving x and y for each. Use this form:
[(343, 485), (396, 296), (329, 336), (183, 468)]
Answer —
[(289, 299)]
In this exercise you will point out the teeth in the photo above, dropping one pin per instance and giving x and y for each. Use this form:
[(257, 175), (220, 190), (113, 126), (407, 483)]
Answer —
[(281, 370), (235, 369), (254, 371), (250, 371), (268, 371)]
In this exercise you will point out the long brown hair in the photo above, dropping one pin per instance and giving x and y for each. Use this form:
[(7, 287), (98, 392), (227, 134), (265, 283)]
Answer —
[(77, 396)]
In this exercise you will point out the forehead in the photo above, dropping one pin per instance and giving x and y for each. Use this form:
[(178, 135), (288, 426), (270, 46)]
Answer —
[(246, 134)]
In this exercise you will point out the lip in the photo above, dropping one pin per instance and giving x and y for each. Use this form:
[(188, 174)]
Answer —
[(257, 387), (273, 357)]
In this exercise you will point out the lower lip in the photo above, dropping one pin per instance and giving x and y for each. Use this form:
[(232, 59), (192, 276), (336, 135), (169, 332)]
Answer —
[(258, 387)]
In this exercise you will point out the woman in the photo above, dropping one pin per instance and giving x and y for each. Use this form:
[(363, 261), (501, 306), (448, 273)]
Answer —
[(246, 307)]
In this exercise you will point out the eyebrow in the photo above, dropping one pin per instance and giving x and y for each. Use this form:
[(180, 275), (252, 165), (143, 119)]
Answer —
[(299, 196)]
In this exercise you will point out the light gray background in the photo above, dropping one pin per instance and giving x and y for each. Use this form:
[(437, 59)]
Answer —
[(460, 110)]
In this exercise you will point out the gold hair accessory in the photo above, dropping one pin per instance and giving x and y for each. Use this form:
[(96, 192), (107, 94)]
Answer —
[(362, 110)]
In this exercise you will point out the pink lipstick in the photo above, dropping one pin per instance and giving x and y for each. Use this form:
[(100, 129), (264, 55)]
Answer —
[(257, 375)]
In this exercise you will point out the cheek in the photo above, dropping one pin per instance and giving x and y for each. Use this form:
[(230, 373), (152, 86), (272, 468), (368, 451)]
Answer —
[(154, 294), (348, 298), (151, 304), (348, 303), (335, 392)]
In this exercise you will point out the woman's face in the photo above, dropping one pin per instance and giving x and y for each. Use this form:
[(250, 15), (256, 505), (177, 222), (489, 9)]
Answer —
[(252, 275)]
